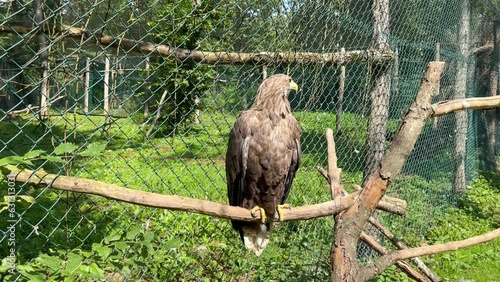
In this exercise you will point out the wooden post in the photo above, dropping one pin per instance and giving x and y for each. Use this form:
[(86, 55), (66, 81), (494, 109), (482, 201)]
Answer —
[(340, 100), (106, 87), (461, 119), (86, 94), (148, 89), (197, 110)]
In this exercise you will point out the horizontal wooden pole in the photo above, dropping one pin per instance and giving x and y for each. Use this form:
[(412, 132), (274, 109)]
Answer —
[(375, 56), (479, 103), (172, 202)]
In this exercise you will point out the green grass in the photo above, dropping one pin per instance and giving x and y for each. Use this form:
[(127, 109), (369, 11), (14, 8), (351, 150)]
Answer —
[(188, 162)]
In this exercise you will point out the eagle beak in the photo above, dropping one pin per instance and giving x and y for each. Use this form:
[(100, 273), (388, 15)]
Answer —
[(294, 86)]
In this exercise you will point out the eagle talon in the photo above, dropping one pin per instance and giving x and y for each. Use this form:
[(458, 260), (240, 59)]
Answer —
[(280, 208), (262, 213)]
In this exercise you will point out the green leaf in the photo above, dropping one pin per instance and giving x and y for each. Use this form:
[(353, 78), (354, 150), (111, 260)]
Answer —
[(93, 150), (96, 271), (51, 262), (55, 159), (73, 262), (115, 235), (120, 245), (103, 251), (171, 244), (14, 160), (65, 148), (132, 233), (148, 236), (33, 154), (30, 273)]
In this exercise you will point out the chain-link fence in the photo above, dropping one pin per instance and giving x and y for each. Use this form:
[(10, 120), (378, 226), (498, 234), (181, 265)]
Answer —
[(138, 88)]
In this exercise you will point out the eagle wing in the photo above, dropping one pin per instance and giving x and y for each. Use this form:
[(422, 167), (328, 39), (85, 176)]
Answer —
[(236, 159), (294, 166)]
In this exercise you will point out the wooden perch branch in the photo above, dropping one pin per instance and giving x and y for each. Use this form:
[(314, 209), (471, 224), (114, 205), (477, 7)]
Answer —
[(387, 260), (172, 202), (375, 56), (446, 107), (387, 203)]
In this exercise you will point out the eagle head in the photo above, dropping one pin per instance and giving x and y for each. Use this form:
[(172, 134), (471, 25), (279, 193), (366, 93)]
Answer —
[(273, 94)]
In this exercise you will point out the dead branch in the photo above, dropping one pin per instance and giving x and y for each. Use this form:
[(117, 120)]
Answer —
[(333, 171), (172, 202), (376, 56), (387, 203), (404, 266), (446, 107), (23, 111), (485, 48), (419, 263), (387, 260)]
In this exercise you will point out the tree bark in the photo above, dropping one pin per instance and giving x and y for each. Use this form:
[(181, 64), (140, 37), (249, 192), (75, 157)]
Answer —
[(350, 223), (491, 115), (379, 95), (461, 120)]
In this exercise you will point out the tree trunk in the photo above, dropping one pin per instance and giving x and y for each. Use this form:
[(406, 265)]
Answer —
[(491, 119), (460, 91), (379, 95), (44, 59), (340, 100)]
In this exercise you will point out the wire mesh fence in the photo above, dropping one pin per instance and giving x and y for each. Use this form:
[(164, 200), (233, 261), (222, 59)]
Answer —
[(152, 87)]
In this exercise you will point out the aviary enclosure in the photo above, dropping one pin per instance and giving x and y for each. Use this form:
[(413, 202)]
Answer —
[(116, 114)]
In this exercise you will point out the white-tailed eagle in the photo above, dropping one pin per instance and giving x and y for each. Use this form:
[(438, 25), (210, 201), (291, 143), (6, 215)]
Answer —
[(262, 158)]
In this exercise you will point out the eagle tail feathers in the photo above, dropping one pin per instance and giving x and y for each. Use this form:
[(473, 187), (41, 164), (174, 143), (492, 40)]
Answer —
[(256, 237)]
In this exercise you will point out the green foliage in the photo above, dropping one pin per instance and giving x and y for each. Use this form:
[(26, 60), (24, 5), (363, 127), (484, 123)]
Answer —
[(187, 26), (477, 215)]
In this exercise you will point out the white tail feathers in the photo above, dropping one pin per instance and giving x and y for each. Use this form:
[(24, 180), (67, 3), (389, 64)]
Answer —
[(256, 237)]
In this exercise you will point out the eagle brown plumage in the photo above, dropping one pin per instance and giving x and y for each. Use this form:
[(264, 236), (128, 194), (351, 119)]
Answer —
[(262, 158)]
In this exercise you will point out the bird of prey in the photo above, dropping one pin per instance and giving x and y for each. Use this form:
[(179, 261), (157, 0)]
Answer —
[(262, 158)]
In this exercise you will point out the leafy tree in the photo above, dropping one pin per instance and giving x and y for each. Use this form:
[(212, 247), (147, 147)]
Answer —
[(188, 25)]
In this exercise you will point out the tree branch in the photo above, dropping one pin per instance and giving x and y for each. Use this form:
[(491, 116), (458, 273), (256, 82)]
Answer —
[(387, 203), (172, 202), (446, 107), (376, 56), (404, 266), (333, 171), (387, 260)]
